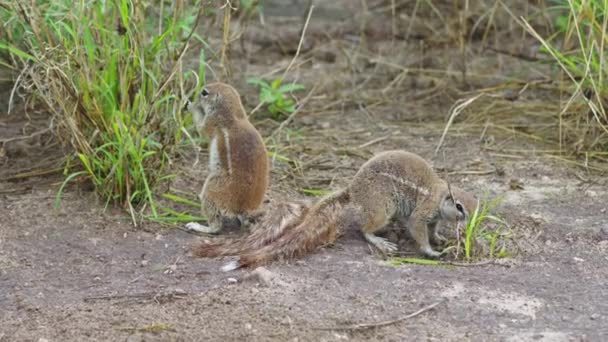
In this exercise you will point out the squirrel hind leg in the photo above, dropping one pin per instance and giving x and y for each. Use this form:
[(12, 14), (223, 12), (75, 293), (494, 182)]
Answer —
[(214, 221), (376, 221), (232, 222), (199, 228)]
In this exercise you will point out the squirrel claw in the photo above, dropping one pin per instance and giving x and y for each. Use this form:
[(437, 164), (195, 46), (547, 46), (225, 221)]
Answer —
[(431, 253), (381, 243), (438, 239)]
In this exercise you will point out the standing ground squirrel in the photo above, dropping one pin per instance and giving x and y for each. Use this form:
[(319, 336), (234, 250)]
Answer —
[(238, 164), (391, 185)]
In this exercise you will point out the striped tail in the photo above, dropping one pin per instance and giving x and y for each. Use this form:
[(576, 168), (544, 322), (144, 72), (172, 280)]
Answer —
[(262, 233), (318, 228)]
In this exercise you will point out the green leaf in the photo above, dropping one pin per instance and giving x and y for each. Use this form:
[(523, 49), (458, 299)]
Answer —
[(65, 182), (315, 192), (419, 261), (266, 96), (15, 51), (183, 200), (258, 81), (276, 83), (290, 87)]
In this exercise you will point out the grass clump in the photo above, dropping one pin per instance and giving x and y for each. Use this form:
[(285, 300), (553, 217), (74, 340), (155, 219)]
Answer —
[(112, 78), (579, 46), (477, 238)]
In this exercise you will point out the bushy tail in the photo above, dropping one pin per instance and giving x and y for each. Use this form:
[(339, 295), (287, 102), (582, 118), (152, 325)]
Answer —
[(268, 229), (318, 228)]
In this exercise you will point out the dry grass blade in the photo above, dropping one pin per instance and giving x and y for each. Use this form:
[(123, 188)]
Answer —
[(295, 57), (293, 115), (374, 141), (458, 107)]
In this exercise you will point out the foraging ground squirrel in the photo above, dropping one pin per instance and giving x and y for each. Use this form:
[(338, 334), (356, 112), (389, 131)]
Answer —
[(391, 185), (238, 164)]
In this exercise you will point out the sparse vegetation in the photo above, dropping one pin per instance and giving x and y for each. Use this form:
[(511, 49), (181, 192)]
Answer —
[(483, 236), (580, 46), (477, 231), (97, 88), (275, 96), (113, 78)]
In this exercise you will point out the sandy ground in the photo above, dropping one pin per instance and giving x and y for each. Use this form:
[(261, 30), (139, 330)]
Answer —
[(80, 272)]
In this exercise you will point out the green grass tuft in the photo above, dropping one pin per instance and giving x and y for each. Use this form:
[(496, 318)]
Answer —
[(476, 229), (274, 96), (579, 47), (112, 78)]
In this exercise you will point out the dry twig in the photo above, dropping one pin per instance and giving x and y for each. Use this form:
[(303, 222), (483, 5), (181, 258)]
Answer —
[(362, 326)]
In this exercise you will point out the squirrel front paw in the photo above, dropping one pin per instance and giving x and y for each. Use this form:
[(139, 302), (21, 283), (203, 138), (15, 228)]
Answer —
[(429, 252)]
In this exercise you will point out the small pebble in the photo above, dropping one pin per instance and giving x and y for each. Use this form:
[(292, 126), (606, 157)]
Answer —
[(537, 218), (171, 269), (265, 277), (603, 234), (591, 193)]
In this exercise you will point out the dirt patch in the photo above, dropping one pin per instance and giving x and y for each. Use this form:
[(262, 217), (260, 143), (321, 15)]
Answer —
[(80, 272)]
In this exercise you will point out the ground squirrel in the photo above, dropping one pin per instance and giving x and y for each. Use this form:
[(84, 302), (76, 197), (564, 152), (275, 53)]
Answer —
[(391, 185), (238, 164)]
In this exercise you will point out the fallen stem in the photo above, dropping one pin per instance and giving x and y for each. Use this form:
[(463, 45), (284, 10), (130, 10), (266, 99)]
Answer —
[(361, 326)]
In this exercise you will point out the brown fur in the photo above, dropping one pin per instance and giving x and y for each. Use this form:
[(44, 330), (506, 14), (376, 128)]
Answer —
[(274, 223), (318, 228), (392, 184), (238, 164)]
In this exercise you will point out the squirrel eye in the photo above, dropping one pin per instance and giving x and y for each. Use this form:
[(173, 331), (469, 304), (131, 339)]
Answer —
[(459, 207), (204, 92)]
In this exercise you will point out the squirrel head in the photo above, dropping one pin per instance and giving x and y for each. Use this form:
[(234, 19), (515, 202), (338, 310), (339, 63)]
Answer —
[(218, 101), (457, 204)]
